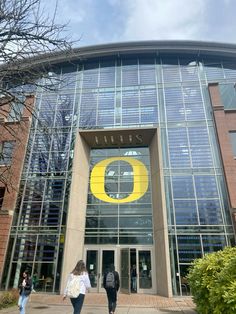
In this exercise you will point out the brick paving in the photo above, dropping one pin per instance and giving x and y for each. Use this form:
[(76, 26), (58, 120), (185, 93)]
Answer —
[(97, 304), (124, 300)]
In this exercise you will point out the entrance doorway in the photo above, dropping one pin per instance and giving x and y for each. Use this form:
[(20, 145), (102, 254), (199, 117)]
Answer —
[(97, 263), (135, 266), (136, 270)]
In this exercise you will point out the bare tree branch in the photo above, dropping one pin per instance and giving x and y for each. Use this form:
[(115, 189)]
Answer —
[(27, 32)]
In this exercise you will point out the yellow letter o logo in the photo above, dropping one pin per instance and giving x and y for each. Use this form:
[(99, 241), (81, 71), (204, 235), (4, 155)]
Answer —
[(140, 180)]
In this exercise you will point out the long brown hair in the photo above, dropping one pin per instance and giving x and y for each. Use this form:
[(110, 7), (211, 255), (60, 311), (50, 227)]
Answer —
[(27, 274), (79, 268)]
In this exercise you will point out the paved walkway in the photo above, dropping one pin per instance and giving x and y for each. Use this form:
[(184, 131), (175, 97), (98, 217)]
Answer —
[(97, 304)]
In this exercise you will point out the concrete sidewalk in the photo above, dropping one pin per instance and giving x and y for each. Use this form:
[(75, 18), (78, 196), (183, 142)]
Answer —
[(38, 308), (97, 304)]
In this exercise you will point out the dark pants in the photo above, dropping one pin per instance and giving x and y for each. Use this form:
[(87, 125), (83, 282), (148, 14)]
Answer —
[(112, 298), (77, 303)]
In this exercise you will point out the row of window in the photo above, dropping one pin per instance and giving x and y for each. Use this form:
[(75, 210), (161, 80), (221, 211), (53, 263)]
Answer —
[(140, 72)]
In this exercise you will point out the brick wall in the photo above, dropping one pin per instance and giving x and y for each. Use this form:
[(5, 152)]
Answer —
[(225, 121), (10, 176)]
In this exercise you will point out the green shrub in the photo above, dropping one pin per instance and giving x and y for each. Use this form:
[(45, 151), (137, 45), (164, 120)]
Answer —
[(8, 298), (212, 280)]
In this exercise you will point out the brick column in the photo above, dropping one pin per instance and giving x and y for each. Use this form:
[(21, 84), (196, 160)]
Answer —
[(225, 121)]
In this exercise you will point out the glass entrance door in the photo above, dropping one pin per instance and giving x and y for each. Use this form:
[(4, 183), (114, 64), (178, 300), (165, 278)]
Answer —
[(145, 278), (125, 270), (92, 265), (142, 271), (97, 263)]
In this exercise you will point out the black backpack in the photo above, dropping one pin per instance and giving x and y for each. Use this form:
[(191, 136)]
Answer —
[(110, 280)]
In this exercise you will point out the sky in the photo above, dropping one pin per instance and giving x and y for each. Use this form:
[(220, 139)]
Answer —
[(94, 22)]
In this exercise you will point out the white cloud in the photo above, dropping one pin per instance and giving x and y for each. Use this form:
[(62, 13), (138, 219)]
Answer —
[(73, 11), (104, 21), (168, 19)]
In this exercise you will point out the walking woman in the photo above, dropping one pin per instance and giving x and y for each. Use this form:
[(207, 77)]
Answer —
[(78, 279), (25, 290)]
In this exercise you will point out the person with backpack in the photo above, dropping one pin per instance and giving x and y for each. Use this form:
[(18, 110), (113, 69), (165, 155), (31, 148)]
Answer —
[(77, 284), (111, 283), (25, 289)]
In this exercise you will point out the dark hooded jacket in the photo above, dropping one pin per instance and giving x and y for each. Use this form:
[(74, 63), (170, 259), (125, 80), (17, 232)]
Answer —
[(26, 290)]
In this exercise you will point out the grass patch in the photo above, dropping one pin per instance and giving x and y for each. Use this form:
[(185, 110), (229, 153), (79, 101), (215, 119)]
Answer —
[(8, 298)]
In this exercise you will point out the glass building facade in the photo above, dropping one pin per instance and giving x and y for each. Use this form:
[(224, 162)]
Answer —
[(122, 223), (168, 91)]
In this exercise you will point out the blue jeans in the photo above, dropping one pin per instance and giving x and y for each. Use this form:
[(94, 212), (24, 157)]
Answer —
[(23, 299), (134, 283), (77, 303)]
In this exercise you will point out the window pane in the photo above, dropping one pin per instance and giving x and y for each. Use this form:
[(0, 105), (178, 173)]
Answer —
[(6, 151), (185, 212), (2, 192), (233, 142), (189, 248), (15, 112), (183, 187)]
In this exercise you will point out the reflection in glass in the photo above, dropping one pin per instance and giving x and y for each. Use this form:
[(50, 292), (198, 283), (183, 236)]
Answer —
[(145, 271), (92, 267), (125, 270)]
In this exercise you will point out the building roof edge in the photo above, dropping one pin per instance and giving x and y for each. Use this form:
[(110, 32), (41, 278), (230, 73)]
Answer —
[(151, 46)]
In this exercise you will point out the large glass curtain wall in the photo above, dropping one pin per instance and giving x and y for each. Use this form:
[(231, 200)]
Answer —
[(168, 91), (198, 213), (37, 234)]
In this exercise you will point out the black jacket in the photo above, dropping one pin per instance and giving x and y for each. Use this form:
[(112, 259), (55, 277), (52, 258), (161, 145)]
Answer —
[(27, 289), (117, 280)]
